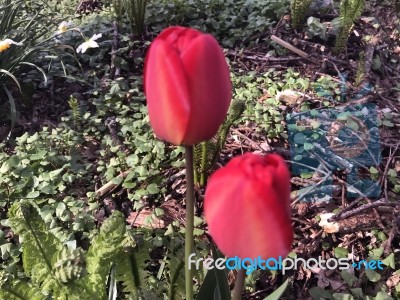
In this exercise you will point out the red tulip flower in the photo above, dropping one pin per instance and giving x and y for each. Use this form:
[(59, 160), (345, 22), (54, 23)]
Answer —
[(187, 86), (247, 207)]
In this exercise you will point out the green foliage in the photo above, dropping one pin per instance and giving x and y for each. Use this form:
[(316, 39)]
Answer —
[(350, 11), (207, 152), (215, 283), (323, 30), (130, 270), (232, 22), (316, 28), (136, 10), (119, 8), (299, 9), (44, 259), (278, 292), (360, 74), (327, 90), (15, 289), (27, 28), (67, 273), (45, 165), (177, 284), (76, 115), (105, 250), (41, 247), (70, 265), (259, 92)]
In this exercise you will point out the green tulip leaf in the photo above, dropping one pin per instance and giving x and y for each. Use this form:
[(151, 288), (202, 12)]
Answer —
[(215, 285), (208, 287), (221, 277), (278, 292)]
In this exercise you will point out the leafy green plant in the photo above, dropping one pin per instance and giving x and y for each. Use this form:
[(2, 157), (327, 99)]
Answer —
[(119, 8), (65, 273), (27, 31), (316, 28), (350, 11), (136, 10), (260, 94), (76, 115), (299, 9), (207, 153), (232, 22), (360, 73)]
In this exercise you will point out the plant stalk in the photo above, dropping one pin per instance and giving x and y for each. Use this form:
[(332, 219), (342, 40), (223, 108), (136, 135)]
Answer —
[(239, 283), (189, 220), (203, 163)]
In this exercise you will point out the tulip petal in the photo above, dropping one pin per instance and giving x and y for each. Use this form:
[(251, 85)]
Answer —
[(186, 71), (209, 86), (281, 176), (166, 85), (247, 215)]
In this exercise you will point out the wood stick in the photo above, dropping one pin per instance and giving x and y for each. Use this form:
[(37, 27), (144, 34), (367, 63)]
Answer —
[(289, 46), (110, 185)]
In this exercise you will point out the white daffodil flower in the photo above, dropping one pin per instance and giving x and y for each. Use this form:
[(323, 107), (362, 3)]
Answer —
[(63, 27), (90, 43), (5, 44)]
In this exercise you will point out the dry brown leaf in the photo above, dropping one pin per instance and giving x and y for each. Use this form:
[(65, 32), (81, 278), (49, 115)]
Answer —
[(145, 218), (393, 280)]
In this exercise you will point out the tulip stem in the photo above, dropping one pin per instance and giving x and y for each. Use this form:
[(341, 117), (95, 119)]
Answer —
[(189, 220), (239, 283)]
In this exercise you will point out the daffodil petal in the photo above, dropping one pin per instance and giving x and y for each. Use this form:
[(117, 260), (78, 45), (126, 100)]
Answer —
[(96, 36), (80, 48), (92, 44), (9, 41)]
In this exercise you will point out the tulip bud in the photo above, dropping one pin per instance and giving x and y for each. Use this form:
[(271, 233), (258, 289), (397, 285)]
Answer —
[(247, 207), (187, 85)]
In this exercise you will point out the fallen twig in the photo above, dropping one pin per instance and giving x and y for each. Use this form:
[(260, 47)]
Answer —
[(110, 185), (372, 205), (289, 46)]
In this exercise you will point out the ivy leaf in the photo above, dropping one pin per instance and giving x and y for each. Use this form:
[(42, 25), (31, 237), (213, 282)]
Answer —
[(373, 170), (341, 252), (308, 146), (33, 194), (318, 293), (389, 261), (152, 188), (349, 278), (372, 275), (341, 296)]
